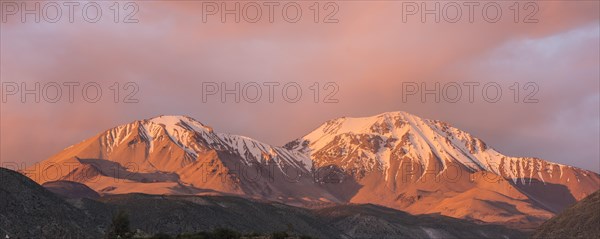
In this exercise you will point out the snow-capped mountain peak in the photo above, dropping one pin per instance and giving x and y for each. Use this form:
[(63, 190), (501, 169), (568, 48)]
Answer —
[(196, 138), (366, 158), (370, 143), (173, 121)]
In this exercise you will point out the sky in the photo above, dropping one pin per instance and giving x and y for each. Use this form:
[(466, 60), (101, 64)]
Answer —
[(362, 56)]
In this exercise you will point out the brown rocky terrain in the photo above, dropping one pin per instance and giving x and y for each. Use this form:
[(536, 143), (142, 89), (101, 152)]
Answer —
[(30, 211)]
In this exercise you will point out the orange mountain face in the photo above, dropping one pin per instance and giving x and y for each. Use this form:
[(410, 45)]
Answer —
[(393, 159)]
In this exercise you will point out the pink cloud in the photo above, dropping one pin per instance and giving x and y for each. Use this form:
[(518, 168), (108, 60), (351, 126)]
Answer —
[(369, 53)]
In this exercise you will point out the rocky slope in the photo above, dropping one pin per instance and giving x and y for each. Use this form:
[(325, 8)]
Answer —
[(581, 220)]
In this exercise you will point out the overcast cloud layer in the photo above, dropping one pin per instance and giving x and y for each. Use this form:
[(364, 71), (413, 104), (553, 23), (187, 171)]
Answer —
[(370, 53)]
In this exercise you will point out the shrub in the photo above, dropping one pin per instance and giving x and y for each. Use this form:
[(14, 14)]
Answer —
[(119, 228)]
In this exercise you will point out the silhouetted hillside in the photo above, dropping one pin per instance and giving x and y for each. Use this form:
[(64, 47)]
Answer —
[(582, 220), (28, 210)]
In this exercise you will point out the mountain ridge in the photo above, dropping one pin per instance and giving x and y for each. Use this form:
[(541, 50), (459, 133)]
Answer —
[(394, 159)]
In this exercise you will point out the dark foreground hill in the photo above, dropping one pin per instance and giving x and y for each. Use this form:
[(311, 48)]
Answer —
[(582, 220), (27, 210), (178, 214)]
